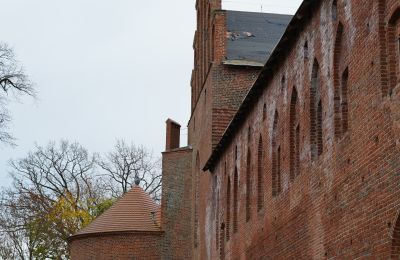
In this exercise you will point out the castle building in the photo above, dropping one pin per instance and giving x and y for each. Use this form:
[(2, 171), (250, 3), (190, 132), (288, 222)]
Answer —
[(294, 136)]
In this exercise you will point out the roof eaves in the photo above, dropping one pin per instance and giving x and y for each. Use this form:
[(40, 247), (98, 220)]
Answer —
[(113, 233), (279, 50), (246, 63)]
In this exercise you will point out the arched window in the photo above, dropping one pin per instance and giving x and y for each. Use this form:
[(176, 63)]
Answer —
[(320, 145), (222, 242), (228, 208), (213, 44), (276, 171), (248, 185), (294, 141), (264, 115), (337, 56), (340, 85), (236, 153), (260, 184), (283, 83), (196, 200), (343, 101), (395, 251), (217, 228), (235, 200), (334, 10), (209, 35), (394, 48), (278, 168), (216, 213), (316, 140), (297, 142), (305, 50)]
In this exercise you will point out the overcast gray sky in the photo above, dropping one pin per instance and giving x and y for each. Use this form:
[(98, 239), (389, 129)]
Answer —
[(105, 69)]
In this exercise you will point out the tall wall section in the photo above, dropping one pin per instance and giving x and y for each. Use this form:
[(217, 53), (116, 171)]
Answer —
[(312, 171), (176, 204), (216, 97)]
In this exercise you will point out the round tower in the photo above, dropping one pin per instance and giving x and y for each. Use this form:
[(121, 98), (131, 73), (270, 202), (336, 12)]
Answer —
[(130, 229)]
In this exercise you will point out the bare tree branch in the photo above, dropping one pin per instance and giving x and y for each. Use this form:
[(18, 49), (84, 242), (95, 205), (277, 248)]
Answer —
[(14, 83), (127, 162)]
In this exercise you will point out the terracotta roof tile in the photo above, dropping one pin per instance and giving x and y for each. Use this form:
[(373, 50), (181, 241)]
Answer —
[(135, 211)]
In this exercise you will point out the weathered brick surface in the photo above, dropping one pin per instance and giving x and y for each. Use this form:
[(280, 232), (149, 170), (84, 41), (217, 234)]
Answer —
[(176, 205), (124, 246), (218, 99), (345, 203)]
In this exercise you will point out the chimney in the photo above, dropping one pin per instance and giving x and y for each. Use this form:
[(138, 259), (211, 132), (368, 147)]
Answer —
[(173, 135)]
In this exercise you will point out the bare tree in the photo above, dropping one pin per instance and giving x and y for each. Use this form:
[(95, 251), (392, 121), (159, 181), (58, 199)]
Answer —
[(14, 83), (129, 162), (18, 240), (55, 193)]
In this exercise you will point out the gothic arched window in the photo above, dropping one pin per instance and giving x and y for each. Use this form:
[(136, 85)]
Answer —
[(294, 140), (276, 171), (260, 184), (394, 48), (316, 139)]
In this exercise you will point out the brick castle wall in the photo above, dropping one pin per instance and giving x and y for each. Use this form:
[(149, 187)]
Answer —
[(123, 246), (217, 101), (336, 183)]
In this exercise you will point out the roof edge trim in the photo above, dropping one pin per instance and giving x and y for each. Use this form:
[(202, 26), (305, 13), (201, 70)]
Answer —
[(113, 233), (243, 63)]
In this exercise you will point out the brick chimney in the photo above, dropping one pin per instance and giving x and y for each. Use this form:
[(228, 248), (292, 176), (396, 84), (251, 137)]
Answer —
[(173, 135)]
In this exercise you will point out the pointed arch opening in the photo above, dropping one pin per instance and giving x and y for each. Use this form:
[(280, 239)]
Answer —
[(248, 185), (297, 157), (217, 227), (294, 135), (395, 250), (343, 101), (283, 83), (334, 10), (248, 176), (337, 60), (264, 115), (260, 184), (235, 200), (394, 49), (222, 241), (316, 139), (305, 51), (320, 146), (276, 171), (228, 208)]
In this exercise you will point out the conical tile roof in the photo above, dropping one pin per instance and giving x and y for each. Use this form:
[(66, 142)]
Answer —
[(135, 211)]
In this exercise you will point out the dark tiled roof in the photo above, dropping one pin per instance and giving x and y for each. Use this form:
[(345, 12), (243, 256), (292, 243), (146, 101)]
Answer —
[(251, 37), (132, 212), (289, 37)]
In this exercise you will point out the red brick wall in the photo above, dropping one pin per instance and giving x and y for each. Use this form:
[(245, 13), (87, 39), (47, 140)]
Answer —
[(345, 203), (218, 100), (176, 204), (203, 45), (117, 246)]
